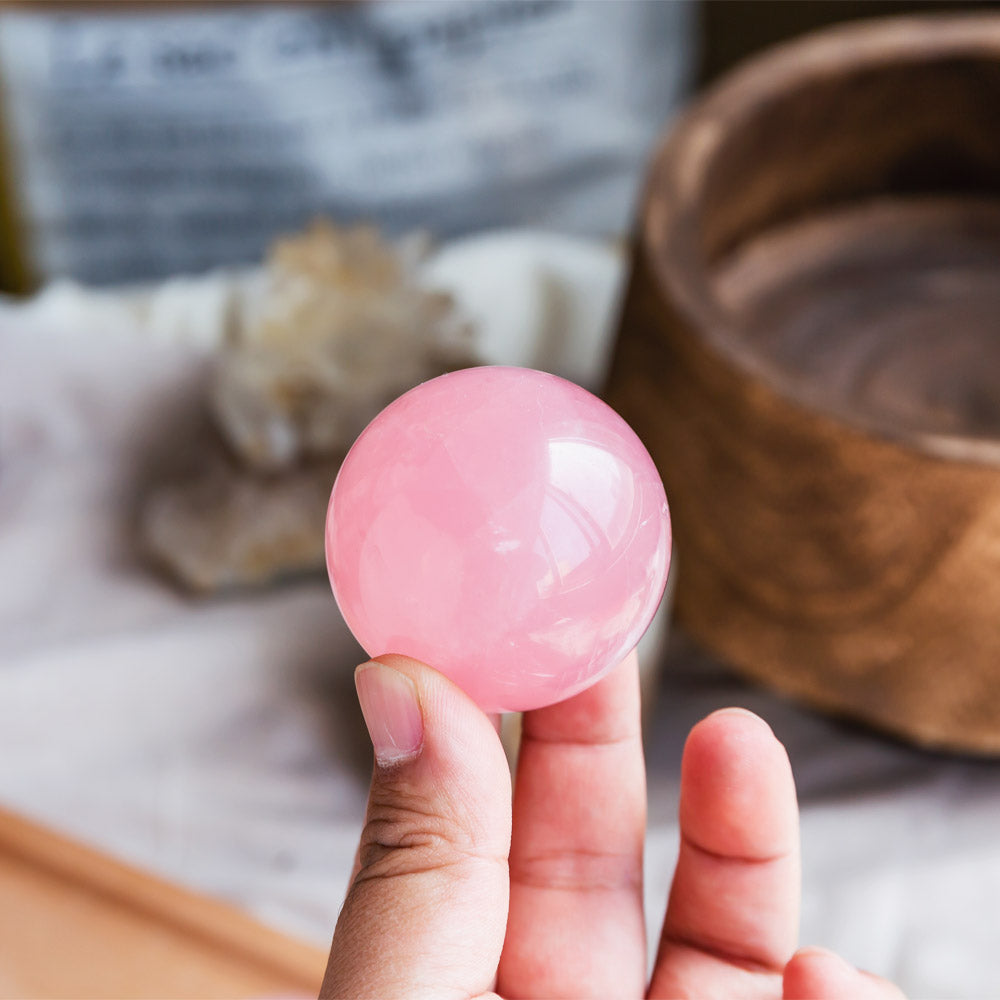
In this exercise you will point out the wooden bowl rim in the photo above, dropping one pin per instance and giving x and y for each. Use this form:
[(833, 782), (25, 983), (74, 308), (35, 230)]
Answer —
[(669, 230)]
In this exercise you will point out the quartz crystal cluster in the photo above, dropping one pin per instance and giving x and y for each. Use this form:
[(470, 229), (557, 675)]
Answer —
[(334, 327)]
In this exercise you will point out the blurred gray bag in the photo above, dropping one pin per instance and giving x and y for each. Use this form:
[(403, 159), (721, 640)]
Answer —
[(146, 142)]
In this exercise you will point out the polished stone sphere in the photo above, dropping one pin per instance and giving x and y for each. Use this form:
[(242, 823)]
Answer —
[(504, 526)]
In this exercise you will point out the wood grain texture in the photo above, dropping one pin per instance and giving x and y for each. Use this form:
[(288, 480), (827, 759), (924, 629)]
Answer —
[(888, 310), (838, 539), (76, 923)]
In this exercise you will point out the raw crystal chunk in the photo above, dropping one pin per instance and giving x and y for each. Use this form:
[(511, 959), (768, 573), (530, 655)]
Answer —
[(336, 328), (231, 528)]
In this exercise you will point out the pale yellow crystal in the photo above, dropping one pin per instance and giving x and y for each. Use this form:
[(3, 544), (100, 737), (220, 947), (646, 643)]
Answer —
[(336, 328)]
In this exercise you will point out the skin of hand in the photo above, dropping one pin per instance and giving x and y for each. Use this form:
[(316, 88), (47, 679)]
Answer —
[(462, 891)]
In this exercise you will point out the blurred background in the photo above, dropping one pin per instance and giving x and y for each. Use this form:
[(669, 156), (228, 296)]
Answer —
[(156, 139), (229, 234)]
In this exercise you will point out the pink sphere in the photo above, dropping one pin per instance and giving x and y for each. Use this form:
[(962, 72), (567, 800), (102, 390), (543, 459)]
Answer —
[(504, 526)]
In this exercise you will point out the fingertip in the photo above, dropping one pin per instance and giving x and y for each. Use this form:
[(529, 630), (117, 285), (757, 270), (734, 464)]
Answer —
[(737, 790), (736, 743), (460, 743), (607, 711), (818, 974), (443, 702), (737, 720)]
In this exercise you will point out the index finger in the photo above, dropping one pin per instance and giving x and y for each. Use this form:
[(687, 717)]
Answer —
[(576, 851)]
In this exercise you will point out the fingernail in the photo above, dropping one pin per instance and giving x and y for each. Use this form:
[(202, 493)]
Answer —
[(391, 709)]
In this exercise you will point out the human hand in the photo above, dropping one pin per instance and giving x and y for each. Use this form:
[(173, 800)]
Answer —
[(455, 894)]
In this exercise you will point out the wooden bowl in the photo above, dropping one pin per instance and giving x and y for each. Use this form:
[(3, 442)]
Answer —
[(810, 348)]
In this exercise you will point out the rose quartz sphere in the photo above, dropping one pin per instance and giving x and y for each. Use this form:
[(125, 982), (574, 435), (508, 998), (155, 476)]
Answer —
[(504, 526)]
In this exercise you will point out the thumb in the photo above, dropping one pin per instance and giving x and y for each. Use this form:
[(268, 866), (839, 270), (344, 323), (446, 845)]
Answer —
[(427, 908)]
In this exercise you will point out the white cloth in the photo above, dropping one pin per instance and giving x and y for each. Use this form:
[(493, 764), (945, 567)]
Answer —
[(218, 743)]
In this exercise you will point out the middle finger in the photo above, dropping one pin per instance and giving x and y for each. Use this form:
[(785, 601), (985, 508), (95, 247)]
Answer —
[(576, 926)]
